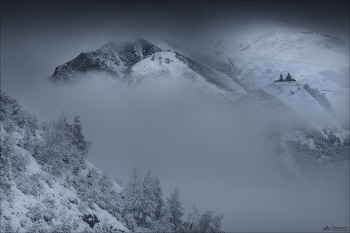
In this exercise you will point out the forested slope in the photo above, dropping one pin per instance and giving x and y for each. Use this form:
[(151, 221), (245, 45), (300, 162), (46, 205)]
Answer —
[(47, 185)]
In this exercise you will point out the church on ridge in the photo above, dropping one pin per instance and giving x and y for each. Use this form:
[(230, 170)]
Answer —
[(288, 78)]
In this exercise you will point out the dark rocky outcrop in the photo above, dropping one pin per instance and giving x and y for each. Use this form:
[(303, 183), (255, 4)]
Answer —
[(114, 58)]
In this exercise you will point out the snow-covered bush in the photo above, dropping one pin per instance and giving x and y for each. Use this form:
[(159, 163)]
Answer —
[(30, 184), (35, 212), (5, 190), (49, 201), (317, 138), (9, 228), (7, 152), (9, 126), (66, 224), (104, 226), (331, 138), (19, 163), (6, 173), (38, 212), (63, 227), (24, 222), (39, 226), (129, 221)]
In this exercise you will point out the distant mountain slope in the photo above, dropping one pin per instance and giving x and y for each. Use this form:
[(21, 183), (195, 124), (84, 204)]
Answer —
[(259, 101), (294, 131), (297, 98), (256, 52)]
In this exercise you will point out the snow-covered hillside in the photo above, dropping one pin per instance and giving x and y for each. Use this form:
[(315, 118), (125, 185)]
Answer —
[(256, 52), (298, 99), (39, 196), (57, 206), (171, 65), (47, 185)]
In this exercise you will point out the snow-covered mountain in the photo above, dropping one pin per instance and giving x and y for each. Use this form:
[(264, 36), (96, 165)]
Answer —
[(240, 63), (141, 60)]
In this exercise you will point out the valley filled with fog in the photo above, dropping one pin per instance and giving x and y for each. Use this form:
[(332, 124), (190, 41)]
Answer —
[(206, 113)]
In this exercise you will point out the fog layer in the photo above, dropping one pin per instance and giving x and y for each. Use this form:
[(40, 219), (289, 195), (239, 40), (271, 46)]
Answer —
[(212, 152)]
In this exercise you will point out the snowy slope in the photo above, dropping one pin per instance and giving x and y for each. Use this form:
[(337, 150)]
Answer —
[(57, 207), (171, 65), (260, 50), (299, 100)]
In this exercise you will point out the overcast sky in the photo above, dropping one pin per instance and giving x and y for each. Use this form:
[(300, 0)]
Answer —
[(166, 129), (41, 35)]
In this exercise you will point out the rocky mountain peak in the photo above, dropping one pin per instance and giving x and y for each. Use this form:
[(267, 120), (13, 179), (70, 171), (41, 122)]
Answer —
[(115, 58)]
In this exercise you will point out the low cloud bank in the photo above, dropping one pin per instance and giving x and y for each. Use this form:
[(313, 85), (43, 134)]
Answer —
[(214, 153)]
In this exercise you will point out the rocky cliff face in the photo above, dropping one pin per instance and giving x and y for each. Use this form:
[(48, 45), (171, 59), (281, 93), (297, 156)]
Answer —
[(114, 58)]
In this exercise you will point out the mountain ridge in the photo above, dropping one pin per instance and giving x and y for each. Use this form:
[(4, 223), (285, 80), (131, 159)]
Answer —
[(115, 58)]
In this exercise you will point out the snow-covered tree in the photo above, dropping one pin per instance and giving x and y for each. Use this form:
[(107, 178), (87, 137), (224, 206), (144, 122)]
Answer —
[(159, 196), (163, 224), (192, 224), (105, 184), (132, 193), (205, 223), (149, 200), (176, 209), (63, 147), (77, 137), (143, 198), (209, 223)]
